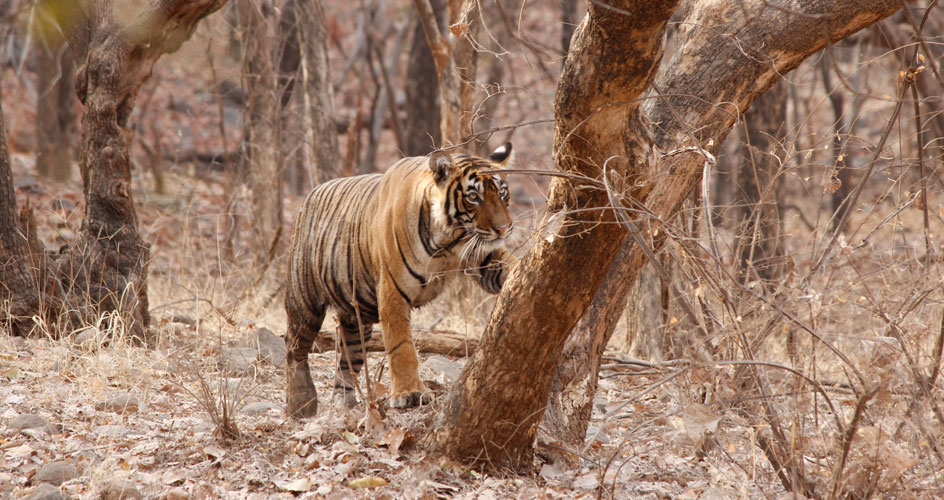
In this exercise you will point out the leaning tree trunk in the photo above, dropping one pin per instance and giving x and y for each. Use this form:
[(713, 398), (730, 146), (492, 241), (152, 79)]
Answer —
[(421, 132), (115, 50), (490, 415), (757, 200), (321, 135), (19, 293), (711, 79), (261, 136)]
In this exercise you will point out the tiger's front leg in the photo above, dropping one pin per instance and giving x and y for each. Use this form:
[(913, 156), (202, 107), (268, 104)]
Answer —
[(495, 269), (408, 390)]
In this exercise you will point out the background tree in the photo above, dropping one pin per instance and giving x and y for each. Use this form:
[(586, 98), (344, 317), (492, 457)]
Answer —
[(261, 146), (55, 113), (421, 132), (321, 139), (758, 205), (18, 285), (114, 56)]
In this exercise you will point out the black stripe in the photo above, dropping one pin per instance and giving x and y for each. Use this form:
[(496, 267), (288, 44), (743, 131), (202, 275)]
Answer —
[(396, 347), (415, 274), (397, 285), (423, 229)]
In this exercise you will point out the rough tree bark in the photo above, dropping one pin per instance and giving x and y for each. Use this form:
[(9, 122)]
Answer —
[(261, 135), (19, 293), (490, 415), (758, 201), (321, 136), (115, 50), (55, 107), (421, 132)]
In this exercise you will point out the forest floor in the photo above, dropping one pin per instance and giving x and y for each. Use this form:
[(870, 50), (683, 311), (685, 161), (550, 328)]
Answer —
[(95, 412)]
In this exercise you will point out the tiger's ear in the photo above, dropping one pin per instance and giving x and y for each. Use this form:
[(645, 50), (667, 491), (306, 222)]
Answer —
[(441, 164), (502, 154)]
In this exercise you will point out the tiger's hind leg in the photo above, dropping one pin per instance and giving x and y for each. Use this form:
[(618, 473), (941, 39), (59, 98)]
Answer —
[(351, 359), (304, 322)]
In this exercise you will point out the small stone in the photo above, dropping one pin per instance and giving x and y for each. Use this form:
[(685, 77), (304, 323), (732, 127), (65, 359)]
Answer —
[(261, 408), (45, 492), (238, 360), (120, 490), (183, 319), (55, 473), (271, 346), (31, 421), (119, 403), (175, 494), (449, 369)]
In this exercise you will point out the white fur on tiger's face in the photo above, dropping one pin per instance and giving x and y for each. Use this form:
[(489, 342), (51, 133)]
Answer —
[(376, 246)]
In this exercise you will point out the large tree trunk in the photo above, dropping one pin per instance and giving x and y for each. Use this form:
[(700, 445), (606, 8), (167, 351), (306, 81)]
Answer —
[(116, 50), (758, 201), (491, 413), (421, 132), (55, 108), (19, 293), (261, 137), (321, 135)]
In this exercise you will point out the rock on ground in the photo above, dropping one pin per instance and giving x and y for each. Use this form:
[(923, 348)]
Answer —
[(56, 473), (45, 492), (271, 346), (121, 490), (31, 421), (119, 403)]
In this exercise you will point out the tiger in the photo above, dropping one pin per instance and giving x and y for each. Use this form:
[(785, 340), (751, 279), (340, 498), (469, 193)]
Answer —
[(377, 246)]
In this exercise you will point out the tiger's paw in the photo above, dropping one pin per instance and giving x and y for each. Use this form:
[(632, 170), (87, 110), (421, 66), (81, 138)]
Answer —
[(411, 398)]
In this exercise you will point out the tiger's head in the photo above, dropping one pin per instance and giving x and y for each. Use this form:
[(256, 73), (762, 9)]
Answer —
[(474, 198)]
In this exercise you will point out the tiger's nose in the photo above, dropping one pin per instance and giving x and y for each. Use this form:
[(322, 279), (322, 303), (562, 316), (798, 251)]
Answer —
[(501, 229)]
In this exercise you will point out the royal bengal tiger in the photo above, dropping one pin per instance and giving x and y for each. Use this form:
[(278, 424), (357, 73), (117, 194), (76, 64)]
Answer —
[(377, 246)]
